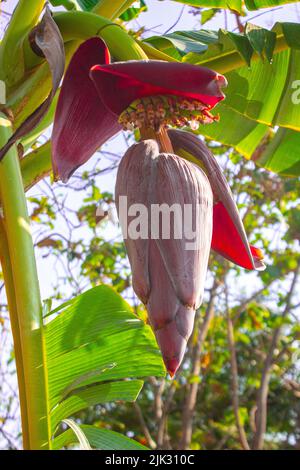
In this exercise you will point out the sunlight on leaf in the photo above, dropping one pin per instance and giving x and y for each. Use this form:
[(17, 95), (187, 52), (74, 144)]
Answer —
[(82, 439)]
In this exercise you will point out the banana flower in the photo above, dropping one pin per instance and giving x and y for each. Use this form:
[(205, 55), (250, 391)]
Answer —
[(96, 92), (169, 166)]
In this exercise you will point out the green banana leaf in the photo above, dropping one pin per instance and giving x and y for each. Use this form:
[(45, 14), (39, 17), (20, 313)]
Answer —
[(229, 50), (134, 11), (235, 5), (88, 5), (208, 14), (282, 153), (93, 343), (236, 131), (103, 439), (262, 94), (265, 92), (275, 151)]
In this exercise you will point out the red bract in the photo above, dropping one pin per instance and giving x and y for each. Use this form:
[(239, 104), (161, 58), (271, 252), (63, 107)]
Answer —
[(231, 243), (229, 238), (82, 122), (122, 83), (94, 93)]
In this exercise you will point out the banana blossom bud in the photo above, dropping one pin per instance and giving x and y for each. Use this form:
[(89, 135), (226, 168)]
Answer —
[(95, 93), (168, 267)]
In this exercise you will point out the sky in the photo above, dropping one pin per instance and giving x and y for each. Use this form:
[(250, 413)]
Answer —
[(162, 15)]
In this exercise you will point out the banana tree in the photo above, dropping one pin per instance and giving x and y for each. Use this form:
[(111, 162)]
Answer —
[(79, 354)]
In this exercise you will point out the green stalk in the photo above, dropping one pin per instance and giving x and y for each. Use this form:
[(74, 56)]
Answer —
[(12, 307), (24, 18), (80, 25), (36, 165), (112, 10), (155, 54), (35, 89), (30, 138), (30, 94), (84, 25), (233, 60), (28, 308)]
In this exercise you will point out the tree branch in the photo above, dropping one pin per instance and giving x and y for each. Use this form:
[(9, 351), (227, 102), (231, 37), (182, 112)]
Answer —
[(234, 377), (163, 440), (261, 413), (151, 443), (192, 388)]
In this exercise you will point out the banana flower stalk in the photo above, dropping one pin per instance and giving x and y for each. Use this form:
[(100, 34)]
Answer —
[(97, 100)]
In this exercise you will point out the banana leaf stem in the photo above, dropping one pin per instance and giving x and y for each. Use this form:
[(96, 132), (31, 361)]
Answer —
[(22, 275), (112, 10), (34, 89), (83, 25), (11, 300), (24, 18)]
